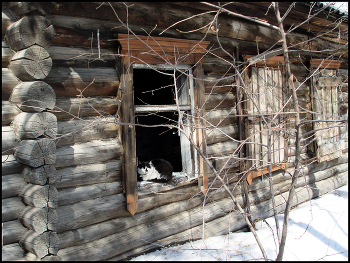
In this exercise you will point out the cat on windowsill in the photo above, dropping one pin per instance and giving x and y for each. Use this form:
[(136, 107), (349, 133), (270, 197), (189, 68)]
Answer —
[(157, 170)]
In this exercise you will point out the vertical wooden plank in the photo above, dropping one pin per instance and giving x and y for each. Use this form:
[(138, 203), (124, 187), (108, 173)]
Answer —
[(200, 98), (128, 136)]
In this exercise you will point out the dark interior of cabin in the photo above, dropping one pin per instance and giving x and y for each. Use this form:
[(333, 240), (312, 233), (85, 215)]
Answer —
[(154, 88)]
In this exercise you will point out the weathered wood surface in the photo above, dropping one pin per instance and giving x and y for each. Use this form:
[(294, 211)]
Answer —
[(9, 112), (27, 125), (72, 81), (40, 244), (28, 31), (13, 252), (39, 195), (12, 232), (259, 190), (223, 225), (33, 96), (46, 174), (36, 152), (7, 20), (69, 132), (221, 133), (9, 81), (88, 153), (128, 136), (89, 174), (162, 228), (7, 54), (10, 165), (33, 63), (93, 211), (12, 185), (67, 108), (222, 148), (63, 57), (39, 219), (221, 116), (77, 194), (214, 101), (11, 207)]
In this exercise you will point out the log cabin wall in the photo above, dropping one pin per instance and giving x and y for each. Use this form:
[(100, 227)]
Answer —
[(92, 220)]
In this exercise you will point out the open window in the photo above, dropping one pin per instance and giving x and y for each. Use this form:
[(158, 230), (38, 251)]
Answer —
[(155, 105), (147, 86)]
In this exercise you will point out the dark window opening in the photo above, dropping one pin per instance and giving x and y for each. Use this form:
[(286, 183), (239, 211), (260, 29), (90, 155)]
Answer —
[(153, 88)]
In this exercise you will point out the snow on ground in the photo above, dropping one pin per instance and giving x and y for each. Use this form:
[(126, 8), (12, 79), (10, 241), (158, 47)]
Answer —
[(318, 230)]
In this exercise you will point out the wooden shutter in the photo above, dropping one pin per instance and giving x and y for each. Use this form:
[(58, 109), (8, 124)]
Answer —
[(265, 89), (325, 103)]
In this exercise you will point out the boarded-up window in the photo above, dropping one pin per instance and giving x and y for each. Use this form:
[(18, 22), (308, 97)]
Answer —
[(325, 103), (264, 105)]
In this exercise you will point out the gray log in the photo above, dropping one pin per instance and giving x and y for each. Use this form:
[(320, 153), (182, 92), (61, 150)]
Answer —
[(12, 185), (12, 231), (28, 31), (89, 174), (76, 194), (36, 152), (9, 140), (9, 81), (13, 252), (10, 165), (39, 195), (27, 125), (40, 244), (33, 96), (11, 207), (9, 112), (39, 219), (46, 174), (88, 153), (33, 63)]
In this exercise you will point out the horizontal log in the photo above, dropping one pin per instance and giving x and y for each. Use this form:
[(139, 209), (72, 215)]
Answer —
[(39, 219), (64, 57), (12, 185), (39, 195), (222, 148), (13, 252), (78, 215), (97, 151), (221, 116), (89, 233), (89, 174), (9, 112), (33, 96), (10, 165), (40, 244), (219, 134), (71, 82), (46, 174), (11, 207), (28, 31), (7, 20), (7, 54), (36, 152), (32, 63), (12, 232), (223, 225), (214, 101), (77, 194), (9, 81), (67, 108)]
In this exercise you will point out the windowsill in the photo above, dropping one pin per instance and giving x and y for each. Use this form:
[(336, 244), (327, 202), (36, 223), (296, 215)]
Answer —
[(147, 188)]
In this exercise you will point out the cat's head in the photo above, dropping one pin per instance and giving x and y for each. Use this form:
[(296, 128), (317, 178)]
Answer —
[(143, 168)]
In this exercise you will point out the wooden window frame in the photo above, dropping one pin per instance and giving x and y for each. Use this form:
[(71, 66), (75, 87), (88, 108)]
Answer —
[(155, 51)]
